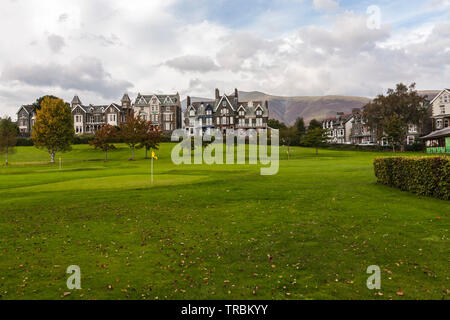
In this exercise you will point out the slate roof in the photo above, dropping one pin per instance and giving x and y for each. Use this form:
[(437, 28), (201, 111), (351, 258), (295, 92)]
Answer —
[(438, 134), (161, 97), (99, 108)]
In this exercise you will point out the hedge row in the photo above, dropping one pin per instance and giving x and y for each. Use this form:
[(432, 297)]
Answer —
[(428, 176)]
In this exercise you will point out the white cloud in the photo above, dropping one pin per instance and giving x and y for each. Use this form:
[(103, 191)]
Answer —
[(98, 49), (192, 63), (326, 5)]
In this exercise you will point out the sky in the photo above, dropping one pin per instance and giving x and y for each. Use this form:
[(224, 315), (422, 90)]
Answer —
[(101, 49)]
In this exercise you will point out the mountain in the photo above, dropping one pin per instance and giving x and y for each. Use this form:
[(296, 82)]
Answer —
[(288, 109)]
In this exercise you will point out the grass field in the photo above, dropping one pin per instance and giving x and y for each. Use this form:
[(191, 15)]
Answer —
[(215, 232)]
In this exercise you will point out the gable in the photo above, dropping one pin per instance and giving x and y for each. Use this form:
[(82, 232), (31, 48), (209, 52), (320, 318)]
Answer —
[(443, 92), (220, 104), (23, 111), (78, 109)]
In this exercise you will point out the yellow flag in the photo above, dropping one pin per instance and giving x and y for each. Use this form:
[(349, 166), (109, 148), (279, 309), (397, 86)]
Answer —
[(154, 156)]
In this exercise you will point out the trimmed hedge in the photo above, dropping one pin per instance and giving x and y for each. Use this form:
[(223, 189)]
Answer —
[(428, 176)]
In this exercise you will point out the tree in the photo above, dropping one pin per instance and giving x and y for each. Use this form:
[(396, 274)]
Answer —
[(275, 124), (315, 138), (103, 139), (301, 128), (8, 136), (37, 104), (313, 124), (53, 129), (288, 137), (389, 115), (151, 138), (133, 132)]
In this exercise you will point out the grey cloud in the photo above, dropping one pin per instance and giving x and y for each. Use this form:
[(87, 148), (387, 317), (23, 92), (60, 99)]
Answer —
[(84, 73), (192, 63), (55, 42)]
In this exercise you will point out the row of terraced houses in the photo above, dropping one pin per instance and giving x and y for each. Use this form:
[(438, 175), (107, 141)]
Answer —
[(163, 110), (351, 128)]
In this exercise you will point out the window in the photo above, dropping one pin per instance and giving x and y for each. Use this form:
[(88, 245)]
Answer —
[(259, 112), (218, 121), (442, 109), (191, 122), (241, 113), (192, 113), (446, 123), (168, 126), (208, 121), (224, 103), (224, 111), (224, 120), (439, 123), (412, 128), (259, 122), (241, 122), (208, 112), (231, 120)]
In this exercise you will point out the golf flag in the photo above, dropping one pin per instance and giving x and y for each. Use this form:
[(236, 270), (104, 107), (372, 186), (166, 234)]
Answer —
[(151, 166)]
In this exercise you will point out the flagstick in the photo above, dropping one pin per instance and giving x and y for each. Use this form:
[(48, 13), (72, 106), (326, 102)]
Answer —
[(152, 171)]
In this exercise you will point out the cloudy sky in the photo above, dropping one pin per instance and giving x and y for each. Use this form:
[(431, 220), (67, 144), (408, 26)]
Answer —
[(100, 49)]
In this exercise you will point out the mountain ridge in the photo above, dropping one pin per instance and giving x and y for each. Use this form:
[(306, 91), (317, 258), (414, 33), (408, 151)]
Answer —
[(288, 108)]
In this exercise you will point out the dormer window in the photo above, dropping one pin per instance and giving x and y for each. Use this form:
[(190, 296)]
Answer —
[(259, 112), (241, 113), (224, 104), (192, 113), (208, 112)]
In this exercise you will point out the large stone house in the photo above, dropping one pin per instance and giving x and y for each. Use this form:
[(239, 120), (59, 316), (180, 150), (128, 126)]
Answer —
[(25, 119), (162, 110), (89, 118), (438, 141), (339, 128), (226, 112)]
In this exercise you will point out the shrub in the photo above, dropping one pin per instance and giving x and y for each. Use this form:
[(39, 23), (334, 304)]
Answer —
[(83, 139), (428, 176), (24, 142)]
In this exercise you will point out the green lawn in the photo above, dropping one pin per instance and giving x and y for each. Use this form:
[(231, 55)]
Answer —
[(215, 232)]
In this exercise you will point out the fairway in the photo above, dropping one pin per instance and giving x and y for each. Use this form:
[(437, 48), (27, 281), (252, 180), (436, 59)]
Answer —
[(215, 232)]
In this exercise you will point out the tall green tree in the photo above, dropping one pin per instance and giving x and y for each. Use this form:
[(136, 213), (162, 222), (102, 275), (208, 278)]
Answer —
[(8, 136), (313, 124), (301, 128), (275, 124), (133, 132), (389, 115), (104, 138), (289, 137), (315, 137), (53, 128)]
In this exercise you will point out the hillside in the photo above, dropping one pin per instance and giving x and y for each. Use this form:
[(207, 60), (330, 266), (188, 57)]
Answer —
[(287, 109)]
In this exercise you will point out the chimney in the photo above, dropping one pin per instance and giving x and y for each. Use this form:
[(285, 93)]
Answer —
[(217, 94), (267, 105), (188, 102), (236, 94)]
